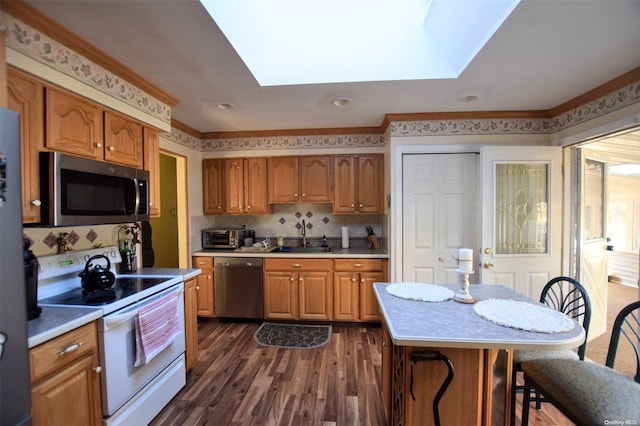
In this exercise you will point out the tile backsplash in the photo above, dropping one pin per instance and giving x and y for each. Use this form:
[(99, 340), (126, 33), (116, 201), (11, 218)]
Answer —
[(286, 221), (44, 241)]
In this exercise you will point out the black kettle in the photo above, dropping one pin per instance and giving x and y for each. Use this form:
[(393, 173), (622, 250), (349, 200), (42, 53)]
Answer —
[(98, 278)]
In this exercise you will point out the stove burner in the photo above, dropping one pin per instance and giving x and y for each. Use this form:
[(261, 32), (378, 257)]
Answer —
[(99, 297)]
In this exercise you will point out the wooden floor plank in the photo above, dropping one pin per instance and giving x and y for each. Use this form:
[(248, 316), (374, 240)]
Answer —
[(238, 382)]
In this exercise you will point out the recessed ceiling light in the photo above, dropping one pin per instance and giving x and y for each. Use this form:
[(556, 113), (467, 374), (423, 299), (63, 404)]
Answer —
[(342, 102), (469, 98), (225, 106)]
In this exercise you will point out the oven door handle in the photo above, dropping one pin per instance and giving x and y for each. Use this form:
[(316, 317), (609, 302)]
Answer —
[(112, 321)]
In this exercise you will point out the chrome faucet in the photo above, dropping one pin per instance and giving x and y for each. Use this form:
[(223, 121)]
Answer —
[(304, 234)]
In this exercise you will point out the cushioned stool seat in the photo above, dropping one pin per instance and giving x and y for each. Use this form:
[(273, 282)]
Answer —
[(520, 356), (588, 393)]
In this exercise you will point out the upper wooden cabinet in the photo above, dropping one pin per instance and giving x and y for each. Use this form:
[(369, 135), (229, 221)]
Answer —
[(245, 186), (151, 151), (73, 125), (123, 140), (300, 179), (213, 186), (358, 184), (25, 96), (79, 127)]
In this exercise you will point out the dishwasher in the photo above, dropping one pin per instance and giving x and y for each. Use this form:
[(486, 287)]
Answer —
[(238, 287)]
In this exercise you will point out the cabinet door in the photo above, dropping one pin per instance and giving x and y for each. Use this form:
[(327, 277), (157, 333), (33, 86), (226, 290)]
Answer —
[(25, 96), (191, 322), (344, 180), (70, 397), (151, 147), (369, 309), (346, 296), (255, 186), (315, 293), (315, 179), (205, 294), (280, 295), (369, 183), (213, 186), (73, 125), (123, 140), (234, 185), (283, 180)]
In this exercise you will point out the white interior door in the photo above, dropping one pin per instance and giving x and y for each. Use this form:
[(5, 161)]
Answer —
[(521, 217), (439, 215), (592, 266)]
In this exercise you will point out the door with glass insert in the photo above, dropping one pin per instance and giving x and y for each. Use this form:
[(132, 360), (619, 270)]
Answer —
[(521, 217)]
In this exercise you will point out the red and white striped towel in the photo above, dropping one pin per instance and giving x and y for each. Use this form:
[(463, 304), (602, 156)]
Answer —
[(156, 327)]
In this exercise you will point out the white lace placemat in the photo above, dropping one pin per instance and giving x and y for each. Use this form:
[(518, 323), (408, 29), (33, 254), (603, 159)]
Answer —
[(523, 316), (421, 292)]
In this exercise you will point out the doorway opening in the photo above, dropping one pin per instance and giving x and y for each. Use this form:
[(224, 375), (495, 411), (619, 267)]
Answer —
[(605, 220), (170, 230)]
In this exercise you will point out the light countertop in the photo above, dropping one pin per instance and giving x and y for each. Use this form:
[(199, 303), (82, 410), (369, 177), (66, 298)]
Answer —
[(456, 325), (54, 321), (334, 253)]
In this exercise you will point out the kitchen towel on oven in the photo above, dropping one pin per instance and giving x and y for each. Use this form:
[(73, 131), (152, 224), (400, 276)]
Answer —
[(156, 327)]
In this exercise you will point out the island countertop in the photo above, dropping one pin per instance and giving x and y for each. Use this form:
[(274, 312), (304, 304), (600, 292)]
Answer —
[(456, 325)]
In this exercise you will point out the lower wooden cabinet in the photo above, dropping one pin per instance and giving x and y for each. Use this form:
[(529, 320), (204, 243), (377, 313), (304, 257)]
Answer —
[(298, 289), (353, 295), (205, 283), (65, 379), (191, 322)]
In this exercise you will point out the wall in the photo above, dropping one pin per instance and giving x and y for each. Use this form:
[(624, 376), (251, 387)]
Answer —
[(165, 228), (624, 228)]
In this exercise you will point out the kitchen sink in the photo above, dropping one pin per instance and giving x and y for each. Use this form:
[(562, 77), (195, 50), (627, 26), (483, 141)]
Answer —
[(306, 250)]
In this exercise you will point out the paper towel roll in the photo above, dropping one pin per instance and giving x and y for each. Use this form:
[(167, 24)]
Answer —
[(345, 237)]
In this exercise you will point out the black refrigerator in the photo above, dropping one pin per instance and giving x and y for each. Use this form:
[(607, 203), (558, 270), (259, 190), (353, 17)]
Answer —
[(15, 392)]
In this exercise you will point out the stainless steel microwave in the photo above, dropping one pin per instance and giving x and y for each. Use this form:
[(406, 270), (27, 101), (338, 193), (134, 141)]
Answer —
[(225, 238), (79, 191)]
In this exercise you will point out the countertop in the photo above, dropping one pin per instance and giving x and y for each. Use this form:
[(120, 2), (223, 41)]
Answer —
[(456, 325), (54, 321), (334, 253)]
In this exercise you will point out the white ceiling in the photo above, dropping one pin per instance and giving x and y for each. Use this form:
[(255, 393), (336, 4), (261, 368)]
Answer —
[(546, 53)]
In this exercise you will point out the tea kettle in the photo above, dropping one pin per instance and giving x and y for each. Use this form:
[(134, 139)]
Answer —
[(98, 278)]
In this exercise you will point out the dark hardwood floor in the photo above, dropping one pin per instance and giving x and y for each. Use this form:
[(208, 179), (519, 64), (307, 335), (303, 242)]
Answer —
[(238, 382)]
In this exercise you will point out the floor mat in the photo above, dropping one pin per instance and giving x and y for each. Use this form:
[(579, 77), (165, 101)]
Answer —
[(297, 336)]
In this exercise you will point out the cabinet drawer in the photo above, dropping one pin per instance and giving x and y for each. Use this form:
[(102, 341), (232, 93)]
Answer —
[(62, 350), (203, 262), (297, 264), (349, 265)]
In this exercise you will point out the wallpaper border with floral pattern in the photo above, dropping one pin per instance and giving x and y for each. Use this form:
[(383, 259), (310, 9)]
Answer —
[(42, 48)]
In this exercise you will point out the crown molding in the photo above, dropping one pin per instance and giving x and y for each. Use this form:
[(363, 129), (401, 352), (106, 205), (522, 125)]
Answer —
[(22, 10)]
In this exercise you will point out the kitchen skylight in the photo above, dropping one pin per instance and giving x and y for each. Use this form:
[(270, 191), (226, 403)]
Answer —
[(288, 42)]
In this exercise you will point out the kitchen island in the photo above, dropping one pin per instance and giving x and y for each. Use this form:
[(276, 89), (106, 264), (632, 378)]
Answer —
[(415, 336)]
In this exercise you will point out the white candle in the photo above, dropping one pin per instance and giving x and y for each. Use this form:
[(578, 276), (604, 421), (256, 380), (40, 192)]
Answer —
[(465, 260)]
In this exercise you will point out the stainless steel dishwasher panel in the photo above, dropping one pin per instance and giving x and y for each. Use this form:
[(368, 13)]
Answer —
[(238, 287)]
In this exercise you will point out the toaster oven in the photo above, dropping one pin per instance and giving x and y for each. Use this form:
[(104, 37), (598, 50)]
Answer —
[(227, 238)]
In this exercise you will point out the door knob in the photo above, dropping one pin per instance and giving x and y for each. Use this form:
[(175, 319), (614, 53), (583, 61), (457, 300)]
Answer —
[(488, 251), (488, 265)]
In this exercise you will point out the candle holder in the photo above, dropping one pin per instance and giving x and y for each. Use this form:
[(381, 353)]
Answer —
[(463, 295)]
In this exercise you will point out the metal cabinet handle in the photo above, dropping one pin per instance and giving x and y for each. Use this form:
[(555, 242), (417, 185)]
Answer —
[(98, 145), (296, 265), (112, 148), (353, 280), (295, 194), (98, 369), (36, 203), (357, 265), (72, 347), (304, 194), (197, 288)]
